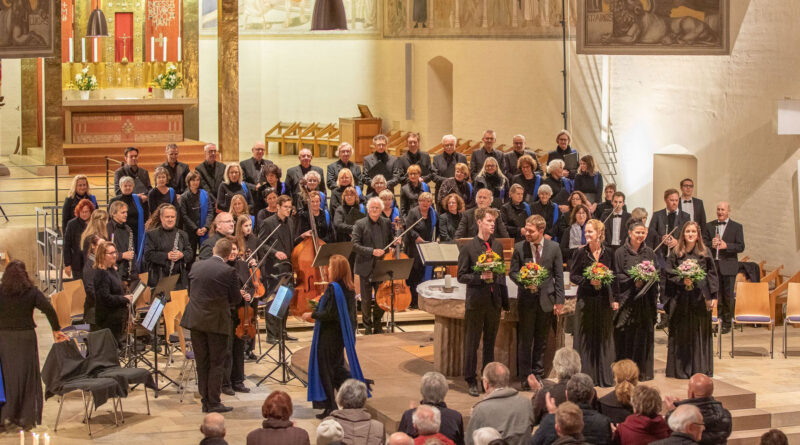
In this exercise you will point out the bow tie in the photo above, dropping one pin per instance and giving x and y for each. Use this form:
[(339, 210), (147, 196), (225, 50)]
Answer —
[(687, 202), (720, 223), (616, 216)]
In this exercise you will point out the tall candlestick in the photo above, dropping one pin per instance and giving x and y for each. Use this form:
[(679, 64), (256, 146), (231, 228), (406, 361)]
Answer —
[(46, 439), (179, 49), (21, 437), (35, 439), (152, 49), (71, 50), (94, 49), (83, 49), (165, 49)]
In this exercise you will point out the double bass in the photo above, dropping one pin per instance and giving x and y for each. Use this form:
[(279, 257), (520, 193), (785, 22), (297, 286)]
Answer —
[(402, 293), (309, 281)]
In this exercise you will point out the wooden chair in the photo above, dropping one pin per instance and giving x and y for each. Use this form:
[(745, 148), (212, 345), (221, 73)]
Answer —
[(275, 134), (77, 297), (61, 304), (752, 307), (792, 314), (328, 137)]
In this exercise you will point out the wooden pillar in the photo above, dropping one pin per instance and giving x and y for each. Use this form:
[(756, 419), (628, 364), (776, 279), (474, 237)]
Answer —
[(190, 57), (228, 77), (28, 103), (53, 112)]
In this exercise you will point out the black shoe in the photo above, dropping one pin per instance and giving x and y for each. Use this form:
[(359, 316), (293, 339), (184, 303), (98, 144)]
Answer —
[(250, 357), (473, 390), (228, 391), (726, 329), (272, 340), (220, 409), (327, 412), (239, 387), (288, 337), (205, 408)]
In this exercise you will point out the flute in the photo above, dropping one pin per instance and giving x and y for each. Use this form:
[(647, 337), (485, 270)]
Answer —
[(174, 248), (719, 238)]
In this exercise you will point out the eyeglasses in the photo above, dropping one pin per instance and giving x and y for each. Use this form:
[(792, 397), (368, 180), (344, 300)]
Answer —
[(112, 253), (690, 186)]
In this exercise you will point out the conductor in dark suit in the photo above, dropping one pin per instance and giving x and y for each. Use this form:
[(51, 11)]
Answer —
[(727, 237), (537, 308), (486, 296), (692, 205), (370, 236), (213, 289), (616, 222), (663, 222), (468, 227)]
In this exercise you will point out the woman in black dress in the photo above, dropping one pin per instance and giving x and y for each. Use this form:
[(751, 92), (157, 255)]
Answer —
[(73, 253), (111, 299), (453, 207), (162, 193), (78, 190), (330, 342), (458, 184), (196, 211), (589, 180), (346, 216), (232, 184), (528, 177), (19, 350), (633, 334), (409, 193), (594, 309), (690, 347)]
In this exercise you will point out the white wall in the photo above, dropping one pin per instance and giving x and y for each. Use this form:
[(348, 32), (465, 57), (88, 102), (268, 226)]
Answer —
[(10, 122)]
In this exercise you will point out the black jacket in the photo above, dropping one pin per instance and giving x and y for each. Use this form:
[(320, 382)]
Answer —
[(73, 254), (468, 227), (444, 166), (716, 418), (623, 227), (141, 179), (733, 236), (373, 166), (211, 177), (213, 290), (514, 216), (678, 439), (478, 158), (551, 292), (464, 189), (226, 192), (510, 158), (699, 210), (344, 220), (364, 241), (296, 173), (452, 425), (448, 224), (111, 306), (409, 194), (422, 159), (660, 225), (480, 294), (529, 185), (158, 243), (177, 176), (596, 428), (591, 186), (124, 240), (558, 153), (333, 173), (251, 170), (613, 409)]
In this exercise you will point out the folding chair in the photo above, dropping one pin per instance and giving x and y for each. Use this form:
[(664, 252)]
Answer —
[(189, 367), (792, 314), (716, 321), (752, 307)]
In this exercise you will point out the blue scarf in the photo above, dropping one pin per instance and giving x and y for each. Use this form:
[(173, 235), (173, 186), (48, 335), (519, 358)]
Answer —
[(527, 208), (94, 201), (139, 229), (252, 221), (555, 218), (395, 212), (246, 192), (327, 218), (2, 389), (425, 187), (203, 214), (429, 269), (316, 393)]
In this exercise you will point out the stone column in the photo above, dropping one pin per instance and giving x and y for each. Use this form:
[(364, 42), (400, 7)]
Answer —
[(228, 78), (53, 111), (28, 103), (190, 58)]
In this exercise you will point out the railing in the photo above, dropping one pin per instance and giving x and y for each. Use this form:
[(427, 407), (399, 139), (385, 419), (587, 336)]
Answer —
[(108, 169), (609, 152)]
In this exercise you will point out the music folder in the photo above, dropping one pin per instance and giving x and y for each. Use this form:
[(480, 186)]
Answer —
[(137, 292), (571, 161), (150, 321), (326, 251), (438, 254), (280, 304)]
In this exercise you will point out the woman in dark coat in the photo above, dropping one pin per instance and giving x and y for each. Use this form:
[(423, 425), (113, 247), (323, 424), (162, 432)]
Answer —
[(409, 193), (458, 184), (196, 211), (78, 190), (73, 252), (138, 212), (594, 309), (322, 219), (633, 334), (343, 181), (616, 405), (515, 212), (277, 427), (329, 339), (162, 193), (453, 210), (271, 198), (19, 350), (490, 177), (589, 180), (346, 215), (232, 184), (111, 299), (528, 177), (690, 347)]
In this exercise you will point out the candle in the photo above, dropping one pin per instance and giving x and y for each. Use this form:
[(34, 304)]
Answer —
[(94, 50), (83, 49), (35, 439), (21, 437), (179, 49), (71, 50), (448, 281), (152, 49), (567, 283), (165, 49), (46, 439)]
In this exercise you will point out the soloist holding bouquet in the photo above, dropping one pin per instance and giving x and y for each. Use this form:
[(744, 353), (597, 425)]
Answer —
[(532, 275), (599, 272), (490, 261), (691, 272), (643, 273)]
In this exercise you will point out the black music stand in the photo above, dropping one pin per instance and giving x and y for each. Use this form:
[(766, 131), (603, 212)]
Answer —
[(280, 310), (390, 270), (326, 251), (161, 296)]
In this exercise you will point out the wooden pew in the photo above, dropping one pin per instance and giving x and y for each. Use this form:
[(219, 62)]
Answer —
[(328, 137), (275, 134)]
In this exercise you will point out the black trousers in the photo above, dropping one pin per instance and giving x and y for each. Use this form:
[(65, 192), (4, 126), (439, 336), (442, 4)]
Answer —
[(479, 322), (532, 331), (727, 302), (234, 365), (210, 352), (371, 313)]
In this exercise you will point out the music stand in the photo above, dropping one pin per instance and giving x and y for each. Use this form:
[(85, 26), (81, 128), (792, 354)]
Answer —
[(390, 270), (280, 310), (161, 296), (326, 251)]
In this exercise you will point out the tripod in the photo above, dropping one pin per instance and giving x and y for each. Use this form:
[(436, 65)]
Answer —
[(391, 270), (279, 309)]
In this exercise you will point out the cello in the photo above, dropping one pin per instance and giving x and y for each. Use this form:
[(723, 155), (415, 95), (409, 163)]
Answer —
[(309, 281), (402, 293)]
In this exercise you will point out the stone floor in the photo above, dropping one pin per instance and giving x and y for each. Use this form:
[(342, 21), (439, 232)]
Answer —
[(774, 380)]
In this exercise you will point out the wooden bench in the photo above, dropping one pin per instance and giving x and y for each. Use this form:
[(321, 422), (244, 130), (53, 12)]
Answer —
[(275, 134)]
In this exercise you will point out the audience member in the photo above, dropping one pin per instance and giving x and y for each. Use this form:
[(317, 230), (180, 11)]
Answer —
[(774, 437), (687, 426), (433, 388), (616, 405), (277, 428), (569, 425), (566, 363), (359, 428), (716, 419), (427, 420), (503, 408), (645, 425), (213, 429), (485, 436), (596, 426), (400, 439), (329, 431)]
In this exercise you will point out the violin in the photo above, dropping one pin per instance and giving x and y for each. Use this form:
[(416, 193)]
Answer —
[(246, 329), (402, 293)]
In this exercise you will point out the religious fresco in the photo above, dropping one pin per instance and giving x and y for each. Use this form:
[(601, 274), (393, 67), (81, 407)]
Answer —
[(27, 29), (690, 27), (295, 17), (476, 18)]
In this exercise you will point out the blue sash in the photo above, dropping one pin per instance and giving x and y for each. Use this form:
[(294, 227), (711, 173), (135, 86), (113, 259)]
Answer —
[(358, 192), (569, 185), (555, 218), (425, 187), (536, 187), (203, 214), (316, 393), (2, 388), (395, 212), (327, 218), (527, 208), (253, 222), (469, 184), (139, 229), (502, 193), (429, 269), (361, 207), (246, 192), (323, 200), (94, 201), (171, 195)]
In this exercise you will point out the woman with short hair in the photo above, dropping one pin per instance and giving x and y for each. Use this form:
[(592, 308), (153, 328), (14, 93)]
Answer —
[(73, 253), (138, 212), (410, 191), (529, 177), (450, 218), (645, 425), (162, 193), (359, 428), (278, 427)]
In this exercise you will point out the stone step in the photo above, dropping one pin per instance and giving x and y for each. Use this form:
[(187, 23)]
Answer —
[(784, 416), (750, 419), (752, 437)]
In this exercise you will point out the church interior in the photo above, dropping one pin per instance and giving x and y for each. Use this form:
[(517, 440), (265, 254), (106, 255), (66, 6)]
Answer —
[(715, 98)]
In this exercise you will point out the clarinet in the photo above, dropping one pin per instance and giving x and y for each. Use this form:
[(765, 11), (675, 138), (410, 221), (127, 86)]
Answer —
[(130, 249), (174, 248)]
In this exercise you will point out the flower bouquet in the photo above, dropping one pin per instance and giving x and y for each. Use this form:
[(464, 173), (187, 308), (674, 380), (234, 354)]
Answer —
[(85, 82), (490, 261), (691, 269), (600, 272), (644, 272), (532, 275), (169, 81)]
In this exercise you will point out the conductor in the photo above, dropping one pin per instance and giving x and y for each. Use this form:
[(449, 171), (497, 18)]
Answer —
[(212, 291)]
